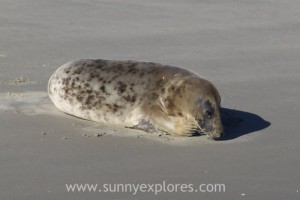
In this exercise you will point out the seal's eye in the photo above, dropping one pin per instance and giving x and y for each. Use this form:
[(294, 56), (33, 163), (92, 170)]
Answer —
[(209, 114), (208, 109)]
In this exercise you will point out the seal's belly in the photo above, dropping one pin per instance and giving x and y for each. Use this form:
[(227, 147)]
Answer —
[(101, 91)]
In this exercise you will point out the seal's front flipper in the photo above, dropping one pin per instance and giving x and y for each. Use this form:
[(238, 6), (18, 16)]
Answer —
[(175, 125)]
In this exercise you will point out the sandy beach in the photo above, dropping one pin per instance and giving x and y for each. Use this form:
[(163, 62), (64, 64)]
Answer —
[(248, 49)]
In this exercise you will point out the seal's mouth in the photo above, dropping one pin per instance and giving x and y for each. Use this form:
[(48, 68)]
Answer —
[(211, 136)]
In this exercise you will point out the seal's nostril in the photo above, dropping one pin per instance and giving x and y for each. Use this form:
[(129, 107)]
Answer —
[(222, 135)]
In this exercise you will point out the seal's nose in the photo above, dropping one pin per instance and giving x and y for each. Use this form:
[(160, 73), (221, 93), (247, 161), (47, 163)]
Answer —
[(218, 137)]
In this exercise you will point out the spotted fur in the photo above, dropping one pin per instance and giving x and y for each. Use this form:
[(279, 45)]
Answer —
[(130, 93)]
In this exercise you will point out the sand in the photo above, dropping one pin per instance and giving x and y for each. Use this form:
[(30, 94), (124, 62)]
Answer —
[(248, 49)]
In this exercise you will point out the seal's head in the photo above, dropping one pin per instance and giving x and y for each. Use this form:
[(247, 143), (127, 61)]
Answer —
[(203, 102)]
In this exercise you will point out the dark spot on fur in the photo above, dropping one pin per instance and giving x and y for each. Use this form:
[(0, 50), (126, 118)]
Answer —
[(121, 87), (131, 87), (78, 97), (82, 92), (78, 70), (89, 99), (132, 68), (108, 105), (133, 98), (113, 78), (92, 75), (130, 99), (66, 81), (98, 102), (103, 89), (115, 108)]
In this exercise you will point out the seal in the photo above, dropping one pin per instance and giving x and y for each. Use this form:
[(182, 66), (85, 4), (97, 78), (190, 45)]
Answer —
[(142, 95)]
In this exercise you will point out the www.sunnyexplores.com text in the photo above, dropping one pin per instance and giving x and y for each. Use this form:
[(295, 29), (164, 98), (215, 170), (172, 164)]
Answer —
[(155, 188)]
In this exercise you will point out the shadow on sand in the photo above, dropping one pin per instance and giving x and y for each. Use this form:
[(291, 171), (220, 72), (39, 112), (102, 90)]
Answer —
[(237, 123)]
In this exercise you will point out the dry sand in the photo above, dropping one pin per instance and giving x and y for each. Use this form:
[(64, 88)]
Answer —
[(249, 49)]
